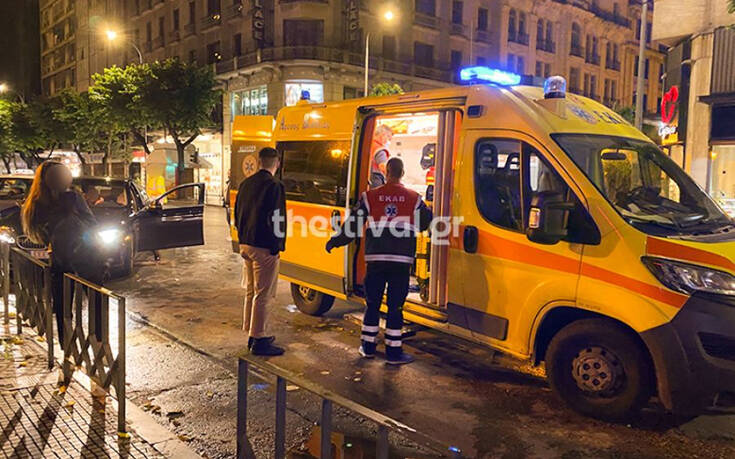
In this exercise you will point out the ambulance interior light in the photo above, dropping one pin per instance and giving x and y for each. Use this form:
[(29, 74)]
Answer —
[(482, 74)]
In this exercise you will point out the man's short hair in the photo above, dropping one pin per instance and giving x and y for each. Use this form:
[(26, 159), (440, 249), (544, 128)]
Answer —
[(268, 157), (394, 168)]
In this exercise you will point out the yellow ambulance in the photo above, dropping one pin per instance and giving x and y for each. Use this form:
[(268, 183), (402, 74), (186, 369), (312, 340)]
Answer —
[(563, 235)]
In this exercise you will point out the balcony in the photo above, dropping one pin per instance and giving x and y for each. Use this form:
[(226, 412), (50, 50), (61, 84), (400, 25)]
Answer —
[(575, 50), (425, 20), (609, 16), (458, 29), (158, 42), (174, 36), (593, 59), (613, 65), (482, 35), (233, 11), (518, 37), (432, 73), (545, 45), (212, 20), (189, 29), (401, 68)]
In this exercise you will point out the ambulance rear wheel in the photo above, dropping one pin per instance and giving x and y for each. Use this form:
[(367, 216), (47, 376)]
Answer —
[(600, 369), (310, 301)]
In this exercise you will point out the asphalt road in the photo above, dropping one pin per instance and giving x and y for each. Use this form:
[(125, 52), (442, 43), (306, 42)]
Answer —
[(456, 392)]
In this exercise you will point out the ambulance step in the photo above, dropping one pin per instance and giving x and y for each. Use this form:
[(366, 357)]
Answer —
[(409, 329)]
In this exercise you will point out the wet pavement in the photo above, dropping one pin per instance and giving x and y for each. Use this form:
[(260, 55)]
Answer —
[(457, 392)]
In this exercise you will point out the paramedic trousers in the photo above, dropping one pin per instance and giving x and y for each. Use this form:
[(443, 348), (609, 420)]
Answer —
[(259, 278), (396, 276)]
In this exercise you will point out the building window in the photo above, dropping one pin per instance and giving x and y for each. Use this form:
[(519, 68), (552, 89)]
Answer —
[(576, 47), (539, 30), (148, 32), (250, 102), (161, 27), (294, 89), (176, 19), (512, 25), (593, 86), (613, 90), (522, 23), (389, 47), (574, 80), (549, 33), (192, 12), (457, 8), (423, 54), (646, 67), (192, 56), (214, 8), (539, 69), (520, 65), (456, 58), (660, 72), (307, 163), (481, 61), (547, 70), (213, 53), (649, 28), (586, 85), (237, 45), (482, 19), (303, 32), (427, 7), (511, 62), (352, 93)]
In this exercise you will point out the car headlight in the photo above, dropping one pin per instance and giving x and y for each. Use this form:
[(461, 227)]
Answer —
[(109, 236), (686, 278), (7, 235)]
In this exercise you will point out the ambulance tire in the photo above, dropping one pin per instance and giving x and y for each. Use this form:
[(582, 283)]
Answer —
[(595, 352), (311, 302)]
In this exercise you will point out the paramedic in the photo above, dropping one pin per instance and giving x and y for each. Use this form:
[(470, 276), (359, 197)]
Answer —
[(379, 155)]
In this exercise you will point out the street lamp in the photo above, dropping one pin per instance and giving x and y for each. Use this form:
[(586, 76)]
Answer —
[(112, 36), (388, 17), (3, 87)]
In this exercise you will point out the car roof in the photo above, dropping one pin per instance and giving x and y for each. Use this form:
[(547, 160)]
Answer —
[(16, 176)]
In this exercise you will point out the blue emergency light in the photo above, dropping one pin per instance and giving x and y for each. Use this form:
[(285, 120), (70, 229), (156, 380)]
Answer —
[(482, 74)]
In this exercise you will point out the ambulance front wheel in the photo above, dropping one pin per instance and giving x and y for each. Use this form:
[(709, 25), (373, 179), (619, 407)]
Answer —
[(600, 369), (310, 301)]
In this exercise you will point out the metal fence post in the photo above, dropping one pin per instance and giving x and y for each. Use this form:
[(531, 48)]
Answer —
[(382, 450), (120, 389), (280, 418), (48, 315), (6, 281), (18, 284), (242, 408), (326, 426), (67, 326)]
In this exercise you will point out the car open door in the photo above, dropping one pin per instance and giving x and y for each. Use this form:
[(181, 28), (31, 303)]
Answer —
[(174, 219)]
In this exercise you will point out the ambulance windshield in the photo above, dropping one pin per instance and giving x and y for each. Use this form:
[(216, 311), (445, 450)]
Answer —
[(644, 185)]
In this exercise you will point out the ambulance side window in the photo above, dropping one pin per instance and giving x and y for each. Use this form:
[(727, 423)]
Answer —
[(315, 171), (498, 182)]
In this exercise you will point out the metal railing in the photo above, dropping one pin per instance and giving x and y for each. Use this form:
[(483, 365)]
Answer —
[(86, 343), (89, 346), (31, 284), (283, 377)]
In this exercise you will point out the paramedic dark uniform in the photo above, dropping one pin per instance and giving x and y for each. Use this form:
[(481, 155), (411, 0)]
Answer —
[(392, 214)]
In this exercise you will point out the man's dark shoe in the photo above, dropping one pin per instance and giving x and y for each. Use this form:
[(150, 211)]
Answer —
[(251, 341), (265, 347), (400, 359)]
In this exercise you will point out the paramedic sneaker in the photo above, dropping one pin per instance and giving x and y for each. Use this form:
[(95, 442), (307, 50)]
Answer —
[(365, 354), (251, 341), (400, 359), (264, 347)]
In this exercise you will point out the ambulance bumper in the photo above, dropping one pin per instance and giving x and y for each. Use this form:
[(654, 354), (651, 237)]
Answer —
[(694, 354)]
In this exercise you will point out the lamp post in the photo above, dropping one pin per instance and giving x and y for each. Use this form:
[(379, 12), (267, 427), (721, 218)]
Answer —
[(388, 17), (112, 36), (639, 87)]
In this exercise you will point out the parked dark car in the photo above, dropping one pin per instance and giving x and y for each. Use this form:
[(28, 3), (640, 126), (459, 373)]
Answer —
[(128, 220)]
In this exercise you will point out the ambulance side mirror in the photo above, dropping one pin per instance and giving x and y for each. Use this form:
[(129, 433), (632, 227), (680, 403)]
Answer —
[(547, 219)]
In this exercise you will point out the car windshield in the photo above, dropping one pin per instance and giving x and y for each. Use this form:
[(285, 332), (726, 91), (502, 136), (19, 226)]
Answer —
[(103, 193), (644, 185), (12, 188)]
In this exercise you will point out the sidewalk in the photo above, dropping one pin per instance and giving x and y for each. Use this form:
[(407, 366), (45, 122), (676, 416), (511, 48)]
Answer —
[(40, 420)]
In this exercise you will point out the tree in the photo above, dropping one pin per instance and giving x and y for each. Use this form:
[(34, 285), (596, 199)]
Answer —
[(180, 98), (731, 7), (115, 90), (34, 130), (385, 89), (82, 120), (5, 133)]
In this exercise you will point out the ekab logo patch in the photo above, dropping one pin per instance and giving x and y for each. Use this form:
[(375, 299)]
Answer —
[(391, 210)]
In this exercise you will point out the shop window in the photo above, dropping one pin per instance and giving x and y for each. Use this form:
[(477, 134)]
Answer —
[(250, 102), (294, 90), (315, 171)]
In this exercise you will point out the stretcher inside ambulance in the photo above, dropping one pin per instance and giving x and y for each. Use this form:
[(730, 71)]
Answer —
[(573, 241)]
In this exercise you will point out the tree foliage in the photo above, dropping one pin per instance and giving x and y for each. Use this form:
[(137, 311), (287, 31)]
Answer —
[(179, 97), (385, 89), (731, 7)]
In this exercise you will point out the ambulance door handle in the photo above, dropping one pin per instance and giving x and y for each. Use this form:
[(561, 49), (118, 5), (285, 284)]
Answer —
[(469, 239)]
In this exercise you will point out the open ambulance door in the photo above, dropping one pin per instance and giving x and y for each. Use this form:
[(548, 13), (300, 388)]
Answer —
[(425, 137), (250, 133)]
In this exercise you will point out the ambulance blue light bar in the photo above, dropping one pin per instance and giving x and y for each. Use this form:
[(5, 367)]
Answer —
[(482, 74)]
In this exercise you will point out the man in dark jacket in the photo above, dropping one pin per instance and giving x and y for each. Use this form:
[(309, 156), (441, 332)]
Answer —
[(260, 212), (393, 215)]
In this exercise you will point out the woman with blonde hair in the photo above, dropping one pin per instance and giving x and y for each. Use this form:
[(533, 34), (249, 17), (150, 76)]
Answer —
[(58, 217)]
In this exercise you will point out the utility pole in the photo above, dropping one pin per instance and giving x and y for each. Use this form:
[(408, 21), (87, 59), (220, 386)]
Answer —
[(640, 91)]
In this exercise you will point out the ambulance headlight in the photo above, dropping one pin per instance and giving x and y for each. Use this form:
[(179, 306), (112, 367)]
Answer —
[(686, 278), (555, 87), (109, 236)]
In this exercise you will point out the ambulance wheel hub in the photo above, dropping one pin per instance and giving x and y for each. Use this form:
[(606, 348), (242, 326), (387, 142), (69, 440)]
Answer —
[(597, 370)]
